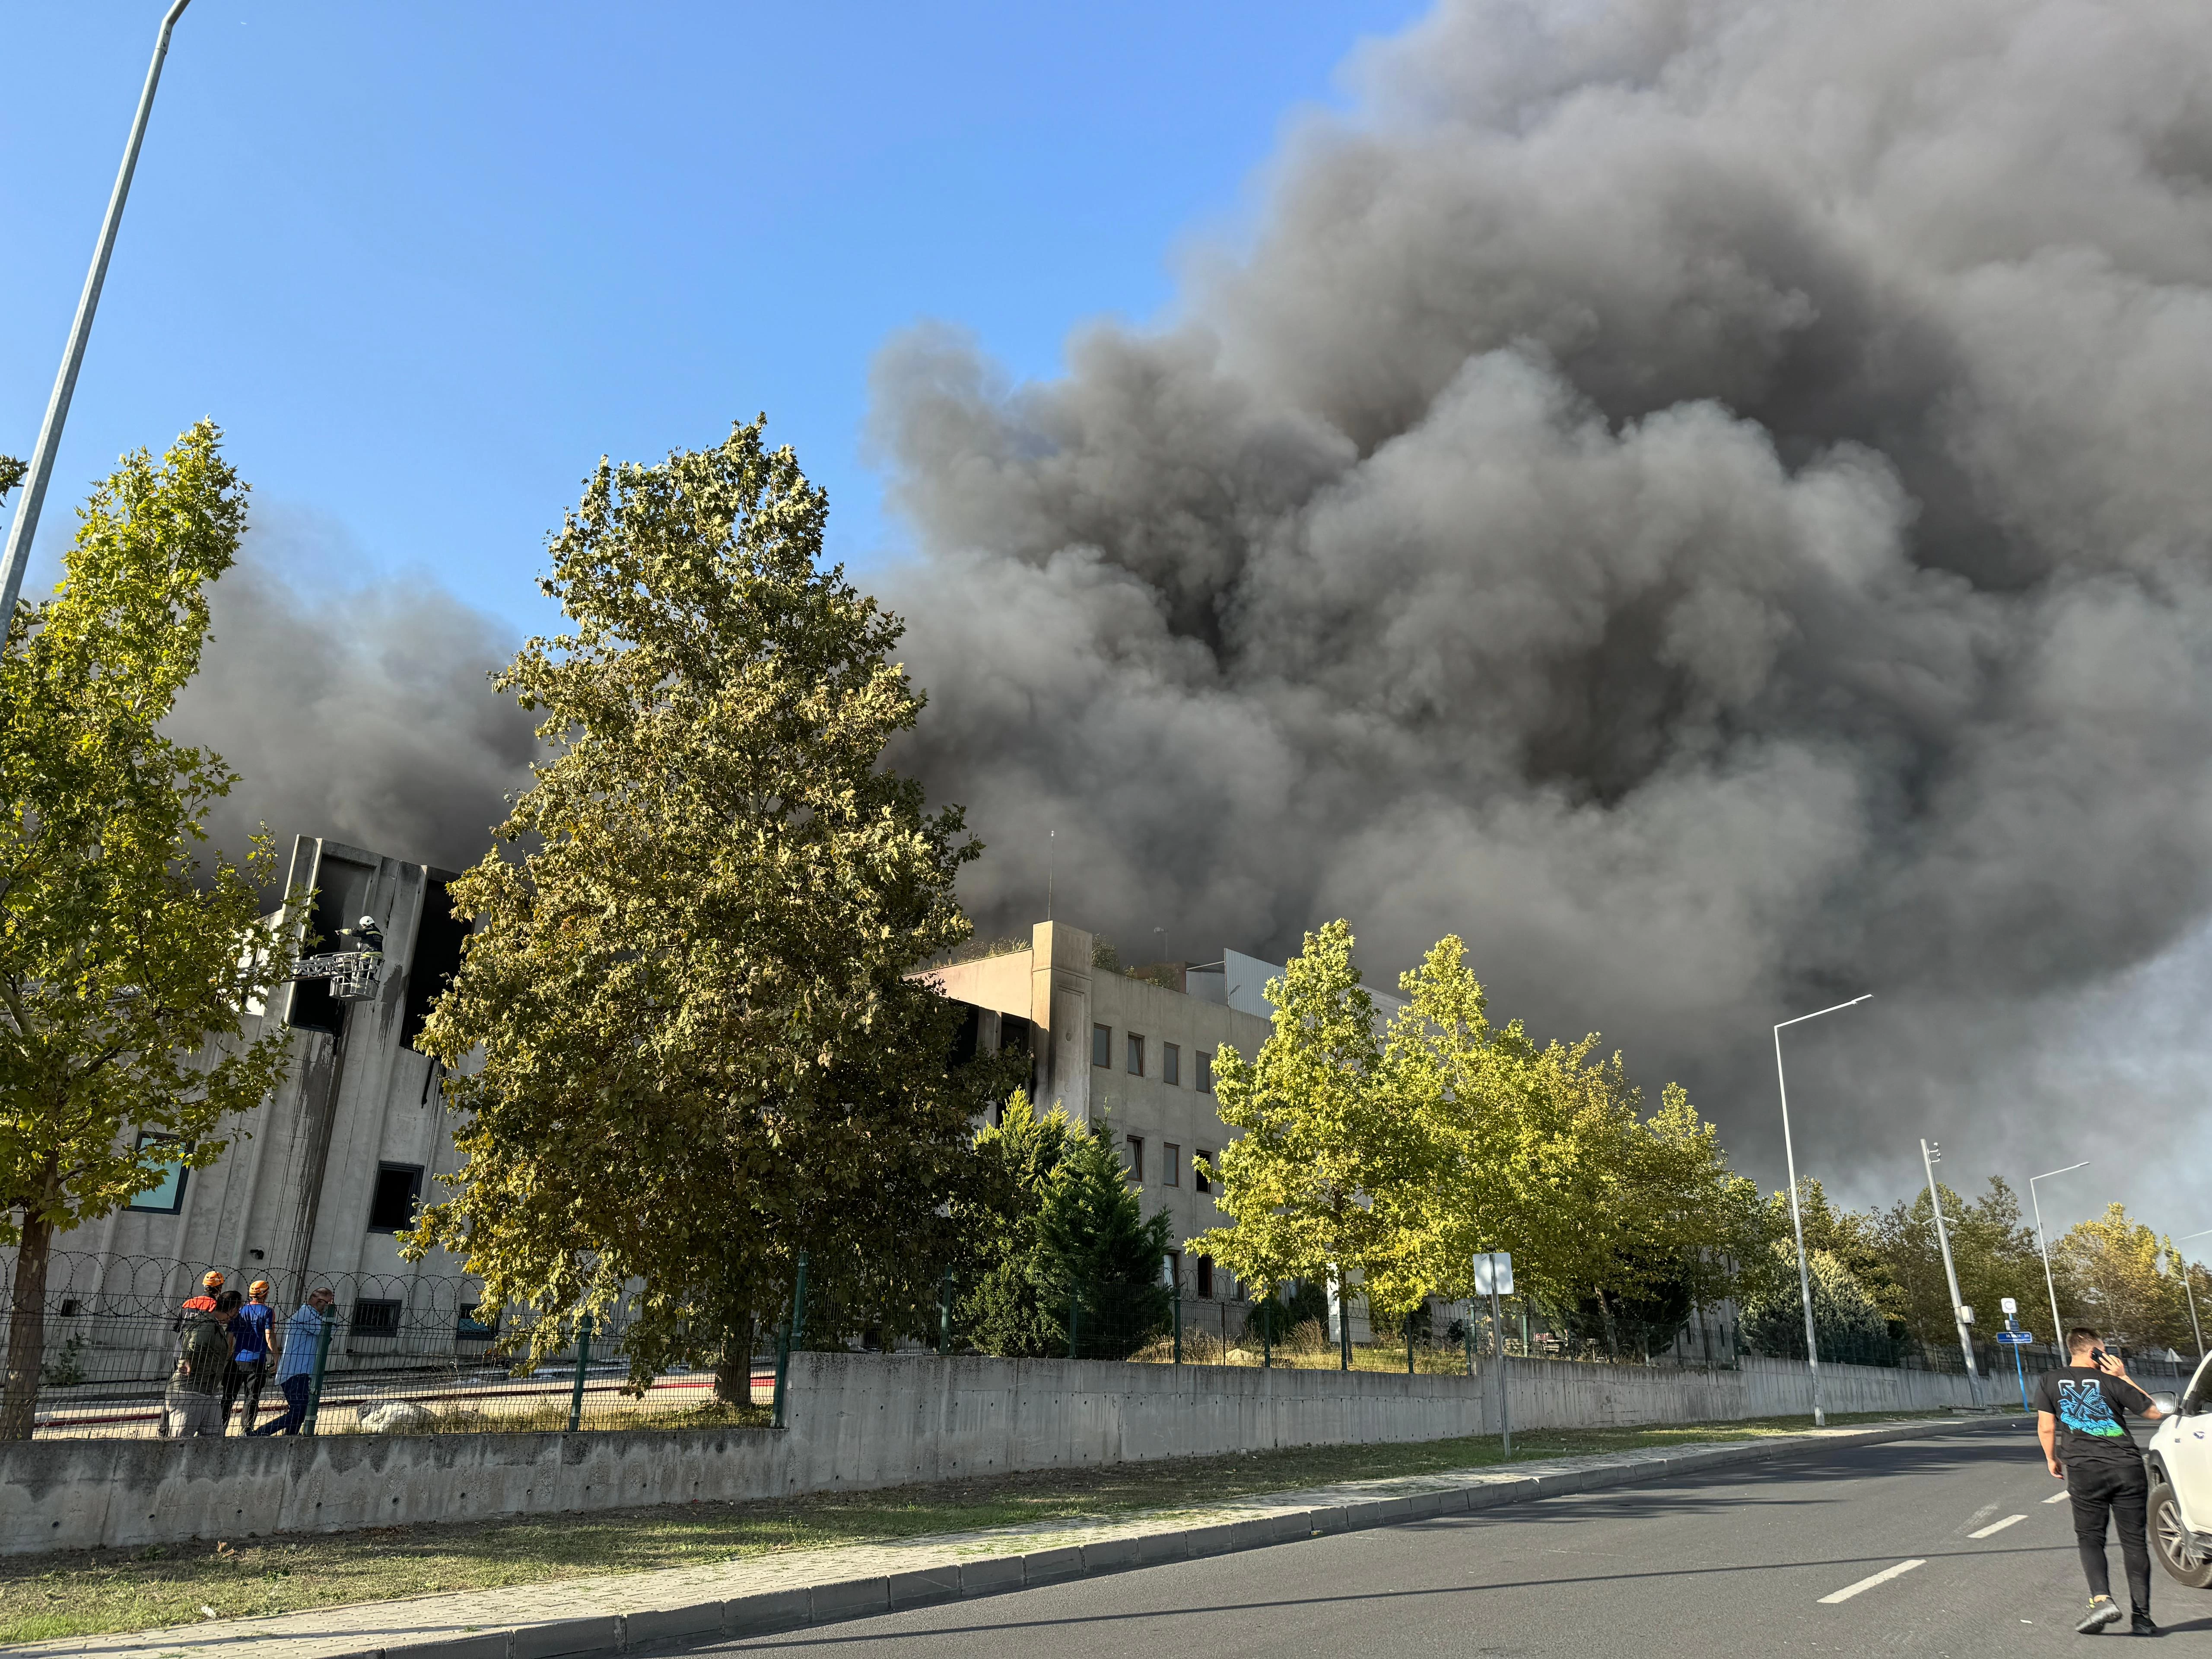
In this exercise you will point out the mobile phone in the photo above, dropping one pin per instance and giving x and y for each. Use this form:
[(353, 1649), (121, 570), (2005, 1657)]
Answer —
[(2097, 1358)]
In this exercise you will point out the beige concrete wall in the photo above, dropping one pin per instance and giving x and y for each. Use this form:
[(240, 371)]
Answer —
[(858, 1421)]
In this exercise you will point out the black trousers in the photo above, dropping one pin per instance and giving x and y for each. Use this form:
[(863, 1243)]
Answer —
[(246, 1379), (2116, 1487)]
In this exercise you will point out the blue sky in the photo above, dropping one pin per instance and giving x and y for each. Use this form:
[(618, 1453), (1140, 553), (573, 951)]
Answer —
[(426, 263)]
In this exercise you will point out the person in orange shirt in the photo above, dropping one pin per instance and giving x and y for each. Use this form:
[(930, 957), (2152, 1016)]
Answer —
[(210, 1288)]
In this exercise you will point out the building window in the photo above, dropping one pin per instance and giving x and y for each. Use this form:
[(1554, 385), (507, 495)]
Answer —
[(166, 1195), (1102, 1045), (391, 1205), (1136, 1159), (1170, 1063), (1201, 1175), (1205, 1278), (377, 1319), (472, 1327), (1136, 1055), (1175, 1269), (1206, 1071), (1170, 1163)]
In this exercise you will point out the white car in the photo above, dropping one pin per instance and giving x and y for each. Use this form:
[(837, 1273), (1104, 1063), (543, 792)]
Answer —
[(2180, 1459)]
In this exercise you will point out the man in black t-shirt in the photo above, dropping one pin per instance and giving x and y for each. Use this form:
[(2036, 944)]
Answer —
[(2081, 1413)]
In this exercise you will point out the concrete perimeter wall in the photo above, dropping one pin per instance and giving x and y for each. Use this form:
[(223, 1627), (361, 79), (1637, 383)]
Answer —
[(1550, 1395), (858, 1421)]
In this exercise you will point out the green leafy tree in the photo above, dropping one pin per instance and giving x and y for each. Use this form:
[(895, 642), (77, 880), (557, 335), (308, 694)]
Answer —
[(1993, 1253), (1094, 1243), (127, 963), (999, 1305), (1319, 1137), (2109, 1276), (1858, 1239), (1619, 1224), (689, 977), (1846, 1320)]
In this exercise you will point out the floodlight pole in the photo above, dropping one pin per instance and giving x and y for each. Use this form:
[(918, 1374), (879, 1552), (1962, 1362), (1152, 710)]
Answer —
[(1929, 1155), (26, 526), (2196, 1330), (2058, 1328), (1796, 1221)]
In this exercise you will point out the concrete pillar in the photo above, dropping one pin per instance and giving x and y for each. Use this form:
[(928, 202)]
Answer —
[(1060, 1005)]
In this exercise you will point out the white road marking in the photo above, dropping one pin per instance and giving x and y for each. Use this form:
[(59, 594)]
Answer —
[(2058, 1498), (1882, 1578), (1997, 1526)]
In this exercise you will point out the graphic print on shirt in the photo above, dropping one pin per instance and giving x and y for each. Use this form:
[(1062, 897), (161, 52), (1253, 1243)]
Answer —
[(2083, 1408)]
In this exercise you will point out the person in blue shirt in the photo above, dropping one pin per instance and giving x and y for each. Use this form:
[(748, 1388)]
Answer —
[(249, 1360), (295, 1362)]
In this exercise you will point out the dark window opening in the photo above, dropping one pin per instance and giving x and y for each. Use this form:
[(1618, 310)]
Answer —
[(1172, 1165), (472, 1327), (379, 1319), (1170, 1063), (71, 1307), (1136, 1159), (1206, 1071), (432, 959), (964, 1039), (391, 1205), (1205, 1278), (1017, 1035), (1136, 1055), (1202, 1171), (1102, 1045)]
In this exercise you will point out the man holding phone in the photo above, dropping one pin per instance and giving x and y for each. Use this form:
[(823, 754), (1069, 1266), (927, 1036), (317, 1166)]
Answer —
[(2080, 1413)]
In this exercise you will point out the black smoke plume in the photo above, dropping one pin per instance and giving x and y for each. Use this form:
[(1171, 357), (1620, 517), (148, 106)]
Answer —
[(360, 710), (1709, 501)]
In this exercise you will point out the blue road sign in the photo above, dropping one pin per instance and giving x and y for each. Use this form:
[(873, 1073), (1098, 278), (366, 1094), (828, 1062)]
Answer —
[(2015, 1336)]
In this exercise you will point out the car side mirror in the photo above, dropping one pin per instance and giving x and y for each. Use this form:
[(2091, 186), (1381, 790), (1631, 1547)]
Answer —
[(2167, 1404)]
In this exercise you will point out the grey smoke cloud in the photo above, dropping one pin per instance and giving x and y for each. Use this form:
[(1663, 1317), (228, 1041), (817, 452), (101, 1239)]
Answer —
[(358, 709), (1708, 501)]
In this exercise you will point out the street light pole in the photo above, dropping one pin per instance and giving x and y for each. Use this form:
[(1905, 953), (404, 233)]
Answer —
[(18, 554), (1929, 1155), (2057, 1330), (1797, 1221), (2196, 1330)]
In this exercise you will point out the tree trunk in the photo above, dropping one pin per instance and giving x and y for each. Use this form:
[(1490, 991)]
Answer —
[(26, 1330), (733, 1377)]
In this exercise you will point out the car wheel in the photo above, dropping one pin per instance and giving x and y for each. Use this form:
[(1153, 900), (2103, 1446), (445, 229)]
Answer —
[(2169, 1538)]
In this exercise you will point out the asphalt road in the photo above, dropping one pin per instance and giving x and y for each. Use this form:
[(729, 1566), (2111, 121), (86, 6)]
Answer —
[(1733, 1563)]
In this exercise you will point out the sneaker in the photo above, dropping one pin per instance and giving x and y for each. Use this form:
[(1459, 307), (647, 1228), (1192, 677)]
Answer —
[(2102, 1612), (2141, 1625)]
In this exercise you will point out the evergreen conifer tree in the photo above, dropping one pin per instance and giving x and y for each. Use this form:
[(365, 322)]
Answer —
[(1094, 1243)]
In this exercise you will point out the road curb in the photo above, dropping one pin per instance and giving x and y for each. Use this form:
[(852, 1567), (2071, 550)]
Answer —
[(768, 1611)]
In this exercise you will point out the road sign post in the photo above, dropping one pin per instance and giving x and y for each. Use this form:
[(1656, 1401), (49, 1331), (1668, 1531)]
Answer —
[(1493, 1273), (2015, 1338)]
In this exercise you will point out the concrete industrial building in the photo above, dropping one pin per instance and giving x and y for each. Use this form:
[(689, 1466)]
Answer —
[(316, 1185), (1135, 1054)]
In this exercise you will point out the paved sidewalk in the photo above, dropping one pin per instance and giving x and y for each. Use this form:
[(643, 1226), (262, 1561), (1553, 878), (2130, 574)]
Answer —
[(788, 1588)]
